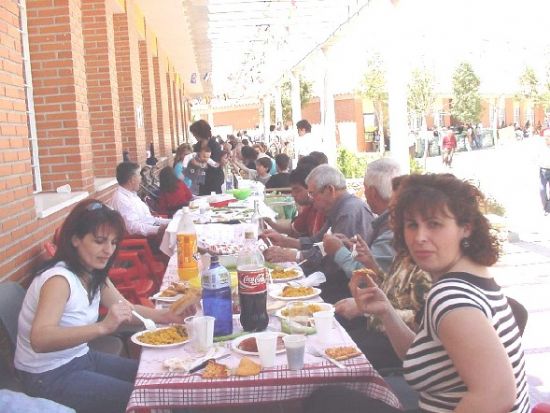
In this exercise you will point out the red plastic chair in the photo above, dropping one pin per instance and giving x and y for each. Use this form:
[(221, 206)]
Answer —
[(50, 248), (155, 266), (541, 408), (129, 270)]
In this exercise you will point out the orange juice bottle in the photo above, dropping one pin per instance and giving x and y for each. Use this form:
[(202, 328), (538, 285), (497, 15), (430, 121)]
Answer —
[(187, 247)]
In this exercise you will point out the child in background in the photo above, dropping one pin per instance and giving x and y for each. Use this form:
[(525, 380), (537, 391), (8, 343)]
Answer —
[(196, 169)]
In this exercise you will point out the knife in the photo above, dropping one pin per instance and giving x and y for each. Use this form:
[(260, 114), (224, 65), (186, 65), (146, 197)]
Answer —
[(205, 362)]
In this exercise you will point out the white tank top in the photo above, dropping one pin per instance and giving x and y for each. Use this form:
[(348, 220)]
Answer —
[(77, 312)]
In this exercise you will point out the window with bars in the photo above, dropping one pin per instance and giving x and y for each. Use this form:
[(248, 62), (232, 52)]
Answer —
[(31, 119)]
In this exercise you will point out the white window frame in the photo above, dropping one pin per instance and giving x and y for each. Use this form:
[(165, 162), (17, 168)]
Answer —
[(29, 93)]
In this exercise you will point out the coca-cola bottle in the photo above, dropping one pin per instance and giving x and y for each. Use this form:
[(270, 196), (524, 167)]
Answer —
[(252, 285)]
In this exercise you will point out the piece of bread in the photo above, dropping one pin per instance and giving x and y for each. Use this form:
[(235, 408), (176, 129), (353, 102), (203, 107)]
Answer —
[(191, 297), (367, 271), (248, 368), (342, 353), (214, 370)]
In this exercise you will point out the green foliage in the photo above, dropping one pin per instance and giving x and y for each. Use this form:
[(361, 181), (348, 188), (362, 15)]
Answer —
[(286, 100), (544, 97), (491, 206), (421, 95), (466, 104), (352, 165), (373, 84), (528, 84)]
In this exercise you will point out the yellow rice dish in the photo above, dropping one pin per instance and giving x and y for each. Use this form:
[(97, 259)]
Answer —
[(163, 336), (280, 274), (306, 310), (297, 291)]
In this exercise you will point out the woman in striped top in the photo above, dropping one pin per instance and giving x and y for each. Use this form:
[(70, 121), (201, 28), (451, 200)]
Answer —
[(467, 356)]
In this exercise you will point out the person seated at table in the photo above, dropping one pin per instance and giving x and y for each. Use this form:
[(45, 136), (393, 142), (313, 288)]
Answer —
[(308, 221), (345, 213), (248, 157), (174, 194), (320, 157), (261, 148), (260, 174), (467, 355), (136, 214), (281, 178), (59, 316), (215, 176)]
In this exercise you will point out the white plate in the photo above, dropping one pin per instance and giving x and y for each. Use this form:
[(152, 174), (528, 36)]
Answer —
[(135, 340), (158, 297), (276, 294), (324, 307), (291, 277), (235, 345)]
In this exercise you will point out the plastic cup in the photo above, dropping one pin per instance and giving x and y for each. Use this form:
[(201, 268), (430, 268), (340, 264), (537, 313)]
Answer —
[(191, 331), (295, 345), (323, 324), (267, 347), (203, 332)]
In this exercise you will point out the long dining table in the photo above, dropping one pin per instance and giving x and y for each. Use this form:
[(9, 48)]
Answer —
[(157, 389)]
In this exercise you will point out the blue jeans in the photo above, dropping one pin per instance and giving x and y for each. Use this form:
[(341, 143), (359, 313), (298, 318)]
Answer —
[(544, 188), (96, 382)]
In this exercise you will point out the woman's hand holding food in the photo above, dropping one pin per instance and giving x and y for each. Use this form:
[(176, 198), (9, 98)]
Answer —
[(118, 313), (369, 298)]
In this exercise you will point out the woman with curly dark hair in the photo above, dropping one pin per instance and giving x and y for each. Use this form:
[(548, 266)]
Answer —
[(467, 355)]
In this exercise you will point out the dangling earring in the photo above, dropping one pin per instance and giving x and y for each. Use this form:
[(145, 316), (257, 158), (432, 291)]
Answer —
[(465, 243)]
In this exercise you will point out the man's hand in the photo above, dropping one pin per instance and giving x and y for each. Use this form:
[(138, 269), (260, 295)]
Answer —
[(278, 254), (347, 308), (278, 239), (332, 244)]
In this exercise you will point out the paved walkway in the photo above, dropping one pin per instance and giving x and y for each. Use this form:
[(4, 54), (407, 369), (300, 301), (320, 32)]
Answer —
[(509, 174)]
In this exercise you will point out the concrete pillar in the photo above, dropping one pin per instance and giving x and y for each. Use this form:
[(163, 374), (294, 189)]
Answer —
[(210, 115), (149, 96), (278, 105), (397, 90), (161, 94), (295, 98), (328, 114), (267, 114)]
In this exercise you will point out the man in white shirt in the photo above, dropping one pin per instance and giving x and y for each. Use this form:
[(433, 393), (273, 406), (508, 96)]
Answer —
[(136, 214), (305, 143)]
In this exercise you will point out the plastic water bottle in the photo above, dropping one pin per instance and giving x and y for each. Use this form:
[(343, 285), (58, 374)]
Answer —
[(216, 297)]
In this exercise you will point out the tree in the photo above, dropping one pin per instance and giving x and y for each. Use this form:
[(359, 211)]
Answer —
[(529, 85), (286, 100), (420, 100), (544, 97), (466, 103), (373, 87)]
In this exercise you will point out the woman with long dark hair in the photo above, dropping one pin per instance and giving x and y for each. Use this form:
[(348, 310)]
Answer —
[(173, 193), (59, 316)]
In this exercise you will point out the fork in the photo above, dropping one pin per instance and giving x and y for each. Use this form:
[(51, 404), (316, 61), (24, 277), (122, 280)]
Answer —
[(354, 252), (314, 351), (147, 322)]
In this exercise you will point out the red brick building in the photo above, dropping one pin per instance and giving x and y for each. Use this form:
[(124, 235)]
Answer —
[(98, 83)]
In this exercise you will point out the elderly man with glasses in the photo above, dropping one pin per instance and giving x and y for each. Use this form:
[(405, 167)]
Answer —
[(345, 214)]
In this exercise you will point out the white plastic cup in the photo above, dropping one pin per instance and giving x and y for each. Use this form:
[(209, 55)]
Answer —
[(295, 345), (267, 348), (191, 331), (203, 331), (324, 321)]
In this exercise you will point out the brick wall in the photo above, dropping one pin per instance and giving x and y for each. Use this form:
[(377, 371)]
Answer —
[(161, 98), (243, 118), (61, 104), (149, 97), (97, 18), (129, 85), (173, 140)]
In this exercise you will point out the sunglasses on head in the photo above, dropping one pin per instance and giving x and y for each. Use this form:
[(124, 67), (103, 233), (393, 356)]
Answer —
[(94, 205)]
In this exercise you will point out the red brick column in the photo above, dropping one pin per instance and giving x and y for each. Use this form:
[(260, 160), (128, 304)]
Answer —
[(97, 22), (173, 140), (149, 97), (161, 97), (177, 118), (61, 104), (129, 86)]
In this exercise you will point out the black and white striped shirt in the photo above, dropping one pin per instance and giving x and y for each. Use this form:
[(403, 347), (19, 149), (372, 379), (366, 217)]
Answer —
[(427, 366)]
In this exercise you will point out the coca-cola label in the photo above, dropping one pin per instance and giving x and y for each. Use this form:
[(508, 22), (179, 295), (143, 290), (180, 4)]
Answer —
[(252, 281)]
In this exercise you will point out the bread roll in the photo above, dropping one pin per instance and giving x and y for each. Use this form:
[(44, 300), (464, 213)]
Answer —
[(191, 297)]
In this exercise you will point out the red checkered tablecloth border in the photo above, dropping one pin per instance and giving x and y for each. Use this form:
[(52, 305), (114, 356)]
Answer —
[(172, 390)]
